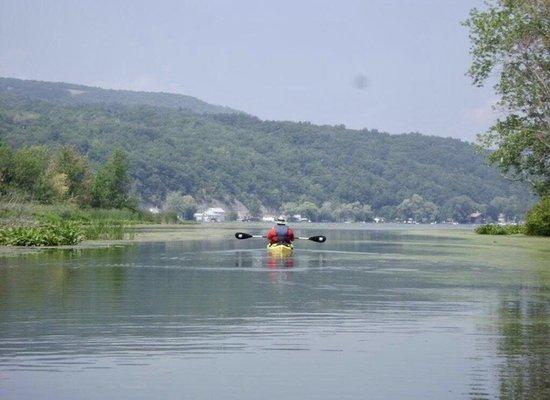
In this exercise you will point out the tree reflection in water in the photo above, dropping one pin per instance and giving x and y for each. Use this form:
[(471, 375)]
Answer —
[(524, 346)]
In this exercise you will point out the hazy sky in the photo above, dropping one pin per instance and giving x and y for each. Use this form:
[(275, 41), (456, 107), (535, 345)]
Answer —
[(394, 65)]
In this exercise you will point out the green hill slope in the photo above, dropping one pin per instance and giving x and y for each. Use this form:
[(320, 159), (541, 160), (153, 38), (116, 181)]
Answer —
[(237, 156), (71, 94)]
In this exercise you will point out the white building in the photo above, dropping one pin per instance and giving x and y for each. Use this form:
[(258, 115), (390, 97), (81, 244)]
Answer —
[(299, 218), (213, 214)]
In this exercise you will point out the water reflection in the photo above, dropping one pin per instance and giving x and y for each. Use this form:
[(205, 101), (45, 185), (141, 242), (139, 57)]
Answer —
[(373, 304), (523, 345)]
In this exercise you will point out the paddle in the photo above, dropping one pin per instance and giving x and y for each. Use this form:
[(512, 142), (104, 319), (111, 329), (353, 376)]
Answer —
[(318, 239), (242, 235)]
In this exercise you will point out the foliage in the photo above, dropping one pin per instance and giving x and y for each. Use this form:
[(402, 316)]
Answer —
[(537, 221), (232, 215), (34, 174), (459, 209), (184, 206), (510, 207), (417, 209), (68, 233), (255, 208), (111, 185), (75, 169), (491, 229), (329, 211), (230, 157), (27, 172), (17, 213), (510, 38)]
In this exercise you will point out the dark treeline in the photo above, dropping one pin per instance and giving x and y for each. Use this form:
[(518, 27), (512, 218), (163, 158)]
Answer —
[(277, 165)]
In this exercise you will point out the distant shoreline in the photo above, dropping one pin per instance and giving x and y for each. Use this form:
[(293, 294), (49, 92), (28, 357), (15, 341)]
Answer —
[(225, 231)]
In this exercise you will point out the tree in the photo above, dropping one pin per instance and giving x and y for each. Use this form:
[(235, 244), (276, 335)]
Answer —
[(111, 185), (326, 212), (6, 166), (459, 209), (76, 170), (29, 172), (537, 221), (232, 215), (184, 206), (309, 210), (511, 38), (255, 208), (417, 209), (511, 207), (361, 212)]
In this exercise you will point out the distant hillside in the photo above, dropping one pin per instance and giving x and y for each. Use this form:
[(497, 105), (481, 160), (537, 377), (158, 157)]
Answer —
[(70, 94), (237, 156)]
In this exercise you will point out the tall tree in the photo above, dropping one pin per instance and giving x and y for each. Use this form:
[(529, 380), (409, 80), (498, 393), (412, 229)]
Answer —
[(418, 209), (511, 38), (184, 206), (460, 208), (111, 185), (6, 166), (76, 170)]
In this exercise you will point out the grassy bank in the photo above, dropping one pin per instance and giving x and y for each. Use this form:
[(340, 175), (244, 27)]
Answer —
[(55, 225), (20, 213)]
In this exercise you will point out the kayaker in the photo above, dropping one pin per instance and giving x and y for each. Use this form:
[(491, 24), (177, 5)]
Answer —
[(280, 233)]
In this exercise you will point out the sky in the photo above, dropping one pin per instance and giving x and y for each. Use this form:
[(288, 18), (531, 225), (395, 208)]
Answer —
[(395, 65)]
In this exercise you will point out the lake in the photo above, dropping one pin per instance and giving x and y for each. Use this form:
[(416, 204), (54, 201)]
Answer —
[(377, 312)]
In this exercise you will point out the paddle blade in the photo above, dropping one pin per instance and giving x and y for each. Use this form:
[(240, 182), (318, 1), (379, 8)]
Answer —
[(242, 235), (318, 239)]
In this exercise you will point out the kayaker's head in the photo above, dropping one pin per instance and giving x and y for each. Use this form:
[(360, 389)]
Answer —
[(281, 220)]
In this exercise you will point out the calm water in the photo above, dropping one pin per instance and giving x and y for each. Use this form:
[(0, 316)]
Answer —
[(377, 314)]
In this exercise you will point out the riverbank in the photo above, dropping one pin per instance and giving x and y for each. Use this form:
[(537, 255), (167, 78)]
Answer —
[(420, 236)]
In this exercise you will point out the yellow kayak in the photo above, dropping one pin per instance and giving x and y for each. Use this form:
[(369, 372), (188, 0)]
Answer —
[(280, 250)]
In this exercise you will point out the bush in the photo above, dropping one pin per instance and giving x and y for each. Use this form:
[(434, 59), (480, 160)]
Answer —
[(491, 229), (47, 235), (537, 221)]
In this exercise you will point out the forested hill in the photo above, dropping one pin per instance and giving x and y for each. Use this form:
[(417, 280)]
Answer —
[(237, 156), (71, 94)]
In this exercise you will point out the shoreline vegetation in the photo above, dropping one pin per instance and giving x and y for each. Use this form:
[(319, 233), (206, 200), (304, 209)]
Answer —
[(56, 199), (59, 225), (537, 223)]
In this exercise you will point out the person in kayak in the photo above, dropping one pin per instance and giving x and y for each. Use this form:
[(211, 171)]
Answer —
[(280, 233)]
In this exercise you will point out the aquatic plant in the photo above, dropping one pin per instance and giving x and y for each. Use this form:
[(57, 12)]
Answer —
[(492, 229), (105, 230), (68, 233)]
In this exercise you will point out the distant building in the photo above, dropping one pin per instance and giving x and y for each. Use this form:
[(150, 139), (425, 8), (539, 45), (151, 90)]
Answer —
[(501, 219), (476, 218), (213, 214), (154, 210), (299, 218), (268, 218)]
